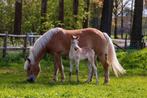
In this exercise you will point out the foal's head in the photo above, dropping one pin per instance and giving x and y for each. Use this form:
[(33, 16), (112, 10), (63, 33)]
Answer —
[(32, 70), (74, 42)]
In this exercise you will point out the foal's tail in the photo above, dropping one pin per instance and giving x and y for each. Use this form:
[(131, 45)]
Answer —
[(112, 59)]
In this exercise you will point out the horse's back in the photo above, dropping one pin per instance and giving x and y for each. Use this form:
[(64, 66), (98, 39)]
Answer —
[(91, 38), (88, 37)]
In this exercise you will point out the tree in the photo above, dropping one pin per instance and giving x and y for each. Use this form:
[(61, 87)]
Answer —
[(122, 20), (94, 13), (106, 19), (44, 8), (118, 11), (61, 13), (136, 34), (75, 11), (43, 13), (86, 9), (115, 17), (18, 17)]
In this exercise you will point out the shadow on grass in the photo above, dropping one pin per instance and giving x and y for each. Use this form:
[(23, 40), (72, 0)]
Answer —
[(51, 83)]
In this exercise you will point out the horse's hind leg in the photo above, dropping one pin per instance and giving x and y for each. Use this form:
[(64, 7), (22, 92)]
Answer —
[(103, 60)]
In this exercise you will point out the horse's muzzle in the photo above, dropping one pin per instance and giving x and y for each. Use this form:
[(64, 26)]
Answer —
[(31, 79)]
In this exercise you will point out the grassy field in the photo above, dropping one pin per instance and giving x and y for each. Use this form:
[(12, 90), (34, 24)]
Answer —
[(131, 85)]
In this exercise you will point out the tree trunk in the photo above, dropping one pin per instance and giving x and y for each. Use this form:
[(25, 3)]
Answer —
[(18, 17), (75, 11), (61, 13), (43, 13), (86, 9), (122, 20), (115, 18), (44, 8), (136, 34), (94, 18), (131, 15), (106, 19)]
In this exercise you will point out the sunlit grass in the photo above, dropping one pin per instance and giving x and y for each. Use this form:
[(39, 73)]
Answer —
[(12, 85), (131, 85)]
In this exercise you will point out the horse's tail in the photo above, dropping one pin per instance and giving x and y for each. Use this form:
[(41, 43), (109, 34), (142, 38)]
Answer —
[(112, 59)]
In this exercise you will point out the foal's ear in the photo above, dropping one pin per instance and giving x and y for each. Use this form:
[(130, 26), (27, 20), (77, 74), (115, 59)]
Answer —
[(75, 37), (28, 60), (78, 37)]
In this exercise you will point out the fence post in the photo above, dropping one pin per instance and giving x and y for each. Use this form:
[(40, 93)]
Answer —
[(25, 45), (126, 41), (5, 45)]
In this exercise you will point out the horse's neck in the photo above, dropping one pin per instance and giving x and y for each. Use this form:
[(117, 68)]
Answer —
[(39, 55)]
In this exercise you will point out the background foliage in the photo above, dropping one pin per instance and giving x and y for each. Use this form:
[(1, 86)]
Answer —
[(31, 15)]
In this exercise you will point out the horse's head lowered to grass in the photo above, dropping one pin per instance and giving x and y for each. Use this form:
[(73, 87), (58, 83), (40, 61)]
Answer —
[(32, 68), (38, 50)]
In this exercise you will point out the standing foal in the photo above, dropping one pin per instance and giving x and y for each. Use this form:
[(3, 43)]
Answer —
[(76, 54)]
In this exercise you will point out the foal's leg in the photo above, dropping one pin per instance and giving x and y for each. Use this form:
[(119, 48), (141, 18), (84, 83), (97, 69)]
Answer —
[(77, 70), (95, 71), (70, 73), (95, 58), (89, 72)]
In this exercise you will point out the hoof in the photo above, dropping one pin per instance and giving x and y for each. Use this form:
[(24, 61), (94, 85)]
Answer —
[(54, 80), (106, 83), (97, 83), (87, 81), (31, 80), (63, 81)]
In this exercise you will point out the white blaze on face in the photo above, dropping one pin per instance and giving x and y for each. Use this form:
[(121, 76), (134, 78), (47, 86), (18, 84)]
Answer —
[(26, 65)]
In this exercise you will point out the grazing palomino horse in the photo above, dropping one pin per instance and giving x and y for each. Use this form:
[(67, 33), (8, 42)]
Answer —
[(76, 54), (57, 41)]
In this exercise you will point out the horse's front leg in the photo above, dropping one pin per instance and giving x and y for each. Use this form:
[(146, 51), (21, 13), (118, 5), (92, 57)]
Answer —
[(58, 65)]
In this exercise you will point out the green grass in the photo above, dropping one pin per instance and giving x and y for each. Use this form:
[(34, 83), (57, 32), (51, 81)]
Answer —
[(131, 85), (12, 85)]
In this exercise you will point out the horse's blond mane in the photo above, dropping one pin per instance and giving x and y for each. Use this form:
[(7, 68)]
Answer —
[(41, 43)]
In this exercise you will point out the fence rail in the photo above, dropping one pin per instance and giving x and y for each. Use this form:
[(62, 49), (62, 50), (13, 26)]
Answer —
[(119, 43), (24, 47)]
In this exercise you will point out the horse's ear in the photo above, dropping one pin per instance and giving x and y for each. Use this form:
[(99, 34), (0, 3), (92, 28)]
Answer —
[(28, 60)]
